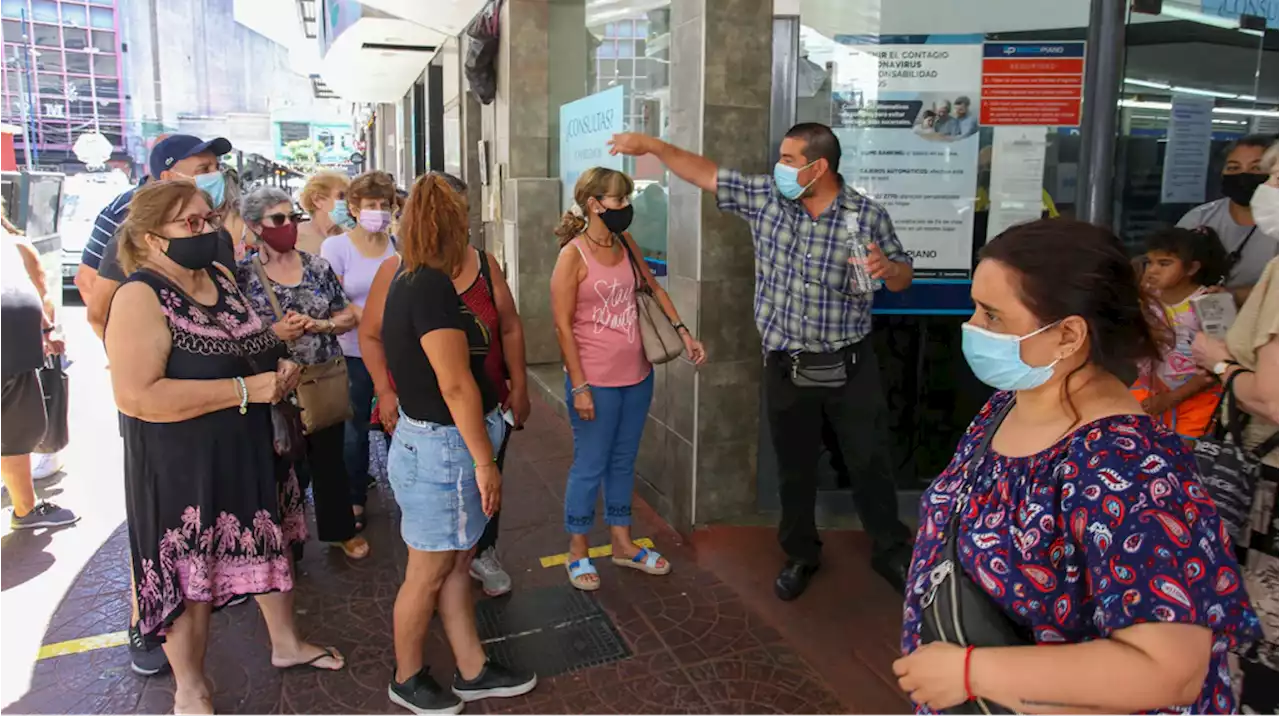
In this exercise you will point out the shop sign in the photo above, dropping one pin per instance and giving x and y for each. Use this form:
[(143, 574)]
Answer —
[(1233, 9), (1032, 83), (586, 125), (905, 109)]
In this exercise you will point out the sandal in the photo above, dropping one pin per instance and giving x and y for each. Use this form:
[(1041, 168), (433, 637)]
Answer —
[(358, 517), (328, 653), (646, 560), (354, 548), (579, 570)]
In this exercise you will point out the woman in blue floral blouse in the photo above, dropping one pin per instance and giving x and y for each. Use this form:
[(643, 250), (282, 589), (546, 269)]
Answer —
[(1083, 525), (315, 311)]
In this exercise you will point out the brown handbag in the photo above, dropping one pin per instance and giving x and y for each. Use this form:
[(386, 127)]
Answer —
[(322, 389)]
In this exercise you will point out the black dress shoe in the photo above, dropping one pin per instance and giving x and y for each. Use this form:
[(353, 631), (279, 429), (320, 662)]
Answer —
[(892, 566), (793, 579)]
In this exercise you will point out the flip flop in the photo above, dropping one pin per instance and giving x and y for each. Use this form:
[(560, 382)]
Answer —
[(579, 569), (646, 560), (357, 552), (328, 653)]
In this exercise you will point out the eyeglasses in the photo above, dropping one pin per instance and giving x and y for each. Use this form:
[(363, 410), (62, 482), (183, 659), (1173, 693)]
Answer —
[(196, 223), (278, 220)]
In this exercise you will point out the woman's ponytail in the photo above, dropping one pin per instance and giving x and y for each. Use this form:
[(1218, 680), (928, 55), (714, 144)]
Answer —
[(572, 223)]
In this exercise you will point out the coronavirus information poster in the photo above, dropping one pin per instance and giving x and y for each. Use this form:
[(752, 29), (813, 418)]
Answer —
[(906, 111)]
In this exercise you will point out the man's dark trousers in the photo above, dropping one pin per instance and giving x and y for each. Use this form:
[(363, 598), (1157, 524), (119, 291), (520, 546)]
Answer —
[(857, 416)]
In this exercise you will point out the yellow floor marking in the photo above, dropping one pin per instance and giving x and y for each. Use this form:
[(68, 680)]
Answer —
[(88, 643), (594, 552), (120, 638)]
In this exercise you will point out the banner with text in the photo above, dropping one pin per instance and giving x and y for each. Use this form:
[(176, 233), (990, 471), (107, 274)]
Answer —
[(910, 140), (586, 126)]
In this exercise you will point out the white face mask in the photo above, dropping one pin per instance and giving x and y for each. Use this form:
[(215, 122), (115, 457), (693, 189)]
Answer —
[(1265, 206)]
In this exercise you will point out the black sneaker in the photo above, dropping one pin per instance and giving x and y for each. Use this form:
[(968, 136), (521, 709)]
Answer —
[(495, 681), (421, 694), (145, 662)]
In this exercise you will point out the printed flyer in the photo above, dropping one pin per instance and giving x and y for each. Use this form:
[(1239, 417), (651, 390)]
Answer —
[(906, 111)]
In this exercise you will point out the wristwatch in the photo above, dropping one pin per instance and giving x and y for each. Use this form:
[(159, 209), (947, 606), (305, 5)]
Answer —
[(1220, 368)]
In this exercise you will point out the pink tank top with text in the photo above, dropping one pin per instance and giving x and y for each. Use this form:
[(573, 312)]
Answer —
[(605, 327)]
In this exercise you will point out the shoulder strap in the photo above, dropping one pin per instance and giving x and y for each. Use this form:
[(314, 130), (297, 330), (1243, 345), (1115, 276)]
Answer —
[(976, 458), (485, 272), (1234, 257), (261, 271), (641, 284)]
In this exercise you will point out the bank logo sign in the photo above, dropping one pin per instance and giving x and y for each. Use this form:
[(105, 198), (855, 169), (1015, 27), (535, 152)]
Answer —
[(586, 125)]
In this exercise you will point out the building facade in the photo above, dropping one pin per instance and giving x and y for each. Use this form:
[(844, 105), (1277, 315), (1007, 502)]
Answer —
[(1068, 109)]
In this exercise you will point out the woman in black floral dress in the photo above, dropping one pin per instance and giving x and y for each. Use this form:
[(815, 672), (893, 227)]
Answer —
[(212, 511)]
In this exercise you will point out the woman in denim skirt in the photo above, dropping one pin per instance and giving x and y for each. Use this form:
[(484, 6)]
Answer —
[(442, 463)]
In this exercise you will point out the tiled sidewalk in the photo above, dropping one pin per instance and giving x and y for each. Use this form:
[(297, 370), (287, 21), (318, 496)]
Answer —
[(697, 646)]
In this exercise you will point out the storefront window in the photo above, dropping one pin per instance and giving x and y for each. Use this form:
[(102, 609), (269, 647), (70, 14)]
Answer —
[(1195, 81), (613, 79), (961, 118)]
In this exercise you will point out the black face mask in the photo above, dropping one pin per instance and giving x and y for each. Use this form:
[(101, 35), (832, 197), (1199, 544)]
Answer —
[(195, 253), (1239, 187), (617, 220)]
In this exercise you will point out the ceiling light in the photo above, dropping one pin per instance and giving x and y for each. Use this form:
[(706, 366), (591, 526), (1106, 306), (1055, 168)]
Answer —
[(1188, 90), (1171, 10), (1166, 106)]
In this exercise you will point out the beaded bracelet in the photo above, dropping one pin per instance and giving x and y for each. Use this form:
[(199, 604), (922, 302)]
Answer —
[(244, 395)]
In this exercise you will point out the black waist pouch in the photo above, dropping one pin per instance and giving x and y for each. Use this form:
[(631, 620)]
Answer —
[(819, 370)]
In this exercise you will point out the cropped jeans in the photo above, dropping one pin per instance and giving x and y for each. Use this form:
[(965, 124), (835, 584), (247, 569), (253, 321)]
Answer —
[(604, 454)]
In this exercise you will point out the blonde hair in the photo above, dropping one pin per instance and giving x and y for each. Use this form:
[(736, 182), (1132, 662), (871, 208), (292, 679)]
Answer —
[(1268, 161), (596, 182), (154, 204), (433, 228), (321, 185)]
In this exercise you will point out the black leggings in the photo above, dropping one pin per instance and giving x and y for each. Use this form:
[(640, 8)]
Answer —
[(326, 472)]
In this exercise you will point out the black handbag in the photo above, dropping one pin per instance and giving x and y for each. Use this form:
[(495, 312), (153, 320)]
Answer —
[(1229, 472), (955, 610), (53, 381)]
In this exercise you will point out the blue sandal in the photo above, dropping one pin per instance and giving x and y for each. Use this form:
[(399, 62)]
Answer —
[(579, 569), (646, 560)]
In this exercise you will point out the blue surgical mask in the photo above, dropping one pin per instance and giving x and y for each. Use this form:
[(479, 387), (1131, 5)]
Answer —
[(996, 359), (215, 185), (787, 179), (341, 216)]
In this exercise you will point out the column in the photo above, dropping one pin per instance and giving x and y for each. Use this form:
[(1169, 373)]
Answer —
[(698, 458)]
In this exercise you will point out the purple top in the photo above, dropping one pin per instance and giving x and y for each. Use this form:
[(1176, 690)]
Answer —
[(356, 271), (1108, 528)]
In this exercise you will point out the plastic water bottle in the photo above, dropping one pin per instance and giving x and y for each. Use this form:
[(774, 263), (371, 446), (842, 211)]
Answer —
[(862, 280), (858, 251)]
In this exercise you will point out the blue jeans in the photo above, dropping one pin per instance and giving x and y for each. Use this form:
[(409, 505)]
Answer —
[(604, 452), (355, 448)]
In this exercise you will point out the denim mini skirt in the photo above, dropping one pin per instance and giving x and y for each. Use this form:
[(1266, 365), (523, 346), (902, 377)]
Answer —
[(434, 479)]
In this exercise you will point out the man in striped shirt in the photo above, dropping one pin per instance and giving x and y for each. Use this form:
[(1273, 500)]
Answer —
[(177, 156)]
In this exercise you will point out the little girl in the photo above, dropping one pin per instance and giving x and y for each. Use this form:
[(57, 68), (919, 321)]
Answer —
[(1181, 264)]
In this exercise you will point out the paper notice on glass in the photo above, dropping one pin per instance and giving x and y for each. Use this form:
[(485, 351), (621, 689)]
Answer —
[(1186, 154), (1017, 176)]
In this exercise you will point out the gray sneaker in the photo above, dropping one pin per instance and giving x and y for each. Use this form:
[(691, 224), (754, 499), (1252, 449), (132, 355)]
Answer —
[(487, 570), (45, 514)]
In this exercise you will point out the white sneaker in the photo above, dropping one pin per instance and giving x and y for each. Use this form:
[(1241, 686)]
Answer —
[(489, 572), (45, 465)]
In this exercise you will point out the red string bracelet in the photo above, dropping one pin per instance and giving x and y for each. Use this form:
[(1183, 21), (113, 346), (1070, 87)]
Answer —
[(968, 654)]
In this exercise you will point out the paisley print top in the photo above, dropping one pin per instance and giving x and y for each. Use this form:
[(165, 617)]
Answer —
[(1106, 529)]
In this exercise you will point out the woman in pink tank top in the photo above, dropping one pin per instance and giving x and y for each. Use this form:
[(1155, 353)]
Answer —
[(608, 380)]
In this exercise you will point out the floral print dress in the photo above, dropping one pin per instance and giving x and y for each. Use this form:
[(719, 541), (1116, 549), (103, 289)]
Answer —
[(212, 512)]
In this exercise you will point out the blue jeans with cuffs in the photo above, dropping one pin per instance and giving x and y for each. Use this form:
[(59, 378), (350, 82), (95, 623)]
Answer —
[(604, 453)]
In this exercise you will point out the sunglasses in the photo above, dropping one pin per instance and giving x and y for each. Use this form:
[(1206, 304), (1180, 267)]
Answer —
[(278, 220), (196, 224)]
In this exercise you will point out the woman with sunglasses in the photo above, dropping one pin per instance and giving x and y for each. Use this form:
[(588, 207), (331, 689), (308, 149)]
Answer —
[(213, 512), (315, 312)]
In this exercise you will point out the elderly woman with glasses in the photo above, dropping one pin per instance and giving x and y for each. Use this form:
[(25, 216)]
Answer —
[(212, 510), (300, 296)]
